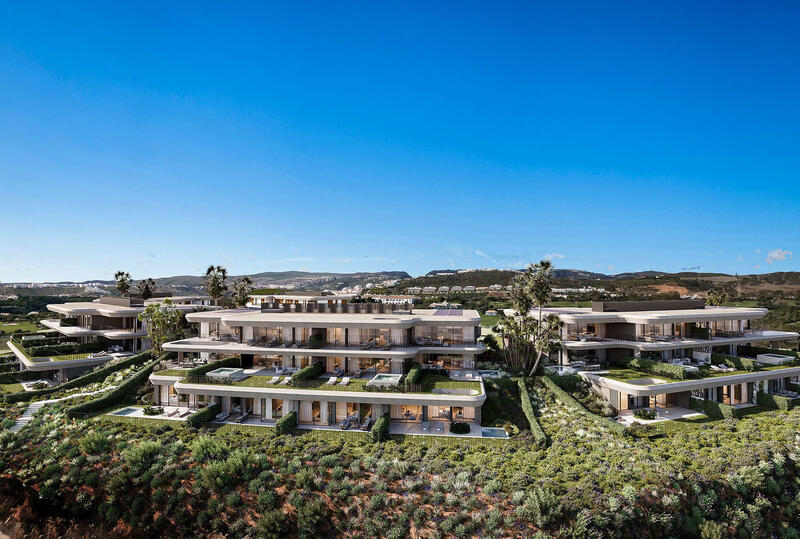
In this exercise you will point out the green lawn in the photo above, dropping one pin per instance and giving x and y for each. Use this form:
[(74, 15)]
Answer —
[(172, 372), (11, 388), (489, 321), (429, 383), (8, 328), (625, 374)]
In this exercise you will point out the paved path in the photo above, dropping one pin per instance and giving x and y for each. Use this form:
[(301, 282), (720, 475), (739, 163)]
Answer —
[(27, 416)]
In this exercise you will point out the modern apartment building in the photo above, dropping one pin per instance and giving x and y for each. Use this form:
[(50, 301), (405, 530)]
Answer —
[(362, 352), (298, 298), (111, 322), (684, 333)]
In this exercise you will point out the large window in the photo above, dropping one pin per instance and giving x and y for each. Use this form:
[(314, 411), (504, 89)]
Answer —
[(268, 336), (440, 335), (336, 336)]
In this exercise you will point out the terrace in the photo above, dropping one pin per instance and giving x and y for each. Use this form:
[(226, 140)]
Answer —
[(271, 378), (575, 341), (630, 375), (35, 361)]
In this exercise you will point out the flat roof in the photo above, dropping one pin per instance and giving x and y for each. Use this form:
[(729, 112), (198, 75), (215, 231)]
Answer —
[(587, 315), (94, 307), (254, 317)]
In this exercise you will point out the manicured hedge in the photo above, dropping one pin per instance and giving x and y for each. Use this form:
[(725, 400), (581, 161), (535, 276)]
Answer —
[(19, 376), (718, 410), (658, 368), (777, 401), (63, 349), (11, 366), (289, 421), (89, 378), (310, 372), (570, 402), (741, 363), (414, 374), (527, 407), (380, 431), (205, 415), (233, 361), (117, 395), (459, 427), (753, 351)]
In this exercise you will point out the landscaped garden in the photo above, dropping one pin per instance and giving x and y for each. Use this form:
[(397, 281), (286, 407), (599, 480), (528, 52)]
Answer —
[(718, 479)]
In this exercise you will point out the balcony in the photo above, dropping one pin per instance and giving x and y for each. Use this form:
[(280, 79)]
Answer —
[(584, 340)]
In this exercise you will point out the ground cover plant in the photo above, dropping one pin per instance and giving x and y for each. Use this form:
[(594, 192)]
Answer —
[(726, 478)]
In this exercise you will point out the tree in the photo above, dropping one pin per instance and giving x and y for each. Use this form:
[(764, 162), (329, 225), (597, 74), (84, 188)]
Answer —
[(241, 290), (214, 283), (163, 323), (123, 279), (146, 287), (529, 340), (716, 297)]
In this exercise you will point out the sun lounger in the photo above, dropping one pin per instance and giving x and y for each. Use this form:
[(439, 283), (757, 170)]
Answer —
[(331, 381), (222, 416), (185, 413), (345, 381), (439, 427), (345, 424), (240, 418), (365, 424), (172, 413), (285, 381)]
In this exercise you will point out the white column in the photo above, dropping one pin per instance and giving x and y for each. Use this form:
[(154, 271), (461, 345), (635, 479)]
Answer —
[(247, 333), (257, 406), (226, 404)]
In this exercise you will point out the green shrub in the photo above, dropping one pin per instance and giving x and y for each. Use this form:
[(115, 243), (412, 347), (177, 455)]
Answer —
[(414, 374), (645, 413), (777, 401), (753, 351), (459, 428), (288, 421), (717, 410), (740, 363), (120, 393), (205, 415), (380, 431), (527, 407), (63, 349), (316, 341), (90, 378), (658, 368), (153, 410), (19, 376), (309, 373), (570, 402)]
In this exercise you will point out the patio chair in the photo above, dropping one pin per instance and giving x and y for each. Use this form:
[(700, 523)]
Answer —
[(439, 427), (345, 381), (331, 381), (426, 427), (345, 424)]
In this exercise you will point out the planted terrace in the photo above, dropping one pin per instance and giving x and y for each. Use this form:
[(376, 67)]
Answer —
[(58, 349)]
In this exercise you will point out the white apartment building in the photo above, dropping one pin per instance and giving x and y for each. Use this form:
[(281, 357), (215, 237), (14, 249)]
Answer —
[(362, 352)]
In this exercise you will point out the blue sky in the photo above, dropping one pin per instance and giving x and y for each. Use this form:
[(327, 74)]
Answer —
[(351, 137)]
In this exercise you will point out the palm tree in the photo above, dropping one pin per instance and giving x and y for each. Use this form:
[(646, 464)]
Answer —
[(529, 341), (146, 287), (123, 279), (214, 283)]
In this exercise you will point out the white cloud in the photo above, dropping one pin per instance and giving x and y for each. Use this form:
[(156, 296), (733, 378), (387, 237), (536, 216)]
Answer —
[(778, 254), (480, 253), (611, 268), (757, 266), (554, 256), (757, 251), (342, 260), (739, 258)]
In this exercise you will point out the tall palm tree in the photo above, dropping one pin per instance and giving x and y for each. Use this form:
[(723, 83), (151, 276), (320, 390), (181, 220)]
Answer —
[(214, 283)]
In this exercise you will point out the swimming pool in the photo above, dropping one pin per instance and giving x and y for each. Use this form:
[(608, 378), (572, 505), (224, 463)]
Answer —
[(493, 432), (385, 379), (124, 411), (227, 372)]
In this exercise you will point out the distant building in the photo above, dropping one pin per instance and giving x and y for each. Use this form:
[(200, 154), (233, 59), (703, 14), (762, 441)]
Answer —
[(495, 287), (455, 288), (469, 288), (413, 289), (429, 290), (444, 289)]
